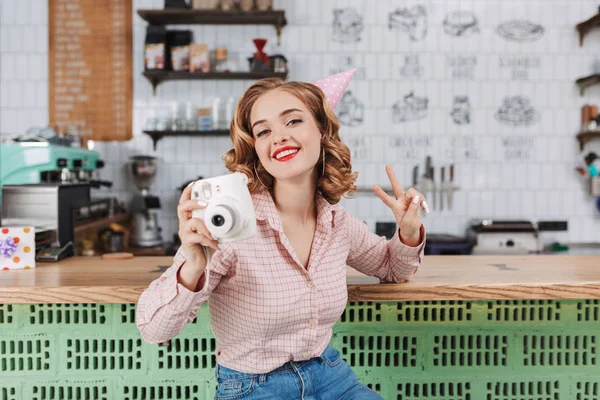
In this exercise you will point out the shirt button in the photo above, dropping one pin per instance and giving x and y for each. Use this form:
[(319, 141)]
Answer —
[(305, 355), (310, 284), (312, 322)]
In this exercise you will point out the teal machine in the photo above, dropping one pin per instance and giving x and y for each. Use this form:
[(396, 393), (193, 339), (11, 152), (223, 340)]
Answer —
[(48, 186), (39, 162)]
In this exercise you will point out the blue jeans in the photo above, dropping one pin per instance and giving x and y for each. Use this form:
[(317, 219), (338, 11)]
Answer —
[(327, 377)]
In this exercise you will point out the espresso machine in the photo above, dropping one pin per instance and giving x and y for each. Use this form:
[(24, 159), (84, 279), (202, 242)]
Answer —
[(145, 206), (42, 162), (49, 208), (47, 186)]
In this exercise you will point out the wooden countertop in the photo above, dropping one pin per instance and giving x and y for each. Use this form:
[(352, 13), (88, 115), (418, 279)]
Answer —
[(92, 280)]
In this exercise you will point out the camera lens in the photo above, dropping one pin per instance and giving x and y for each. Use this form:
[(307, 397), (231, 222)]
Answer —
[(218, 220)]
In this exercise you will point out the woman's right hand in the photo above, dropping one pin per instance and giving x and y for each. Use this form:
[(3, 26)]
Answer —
[(192, 231)]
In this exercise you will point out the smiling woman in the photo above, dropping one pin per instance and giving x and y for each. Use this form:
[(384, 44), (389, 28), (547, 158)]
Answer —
[(260, 116), (275, 297)]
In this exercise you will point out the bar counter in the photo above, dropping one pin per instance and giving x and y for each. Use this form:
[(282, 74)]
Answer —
[(93, 280), (463, 328)]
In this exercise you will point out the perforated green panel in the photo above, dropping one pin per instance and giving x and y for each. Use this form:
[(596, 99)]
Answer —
[(446, 350)]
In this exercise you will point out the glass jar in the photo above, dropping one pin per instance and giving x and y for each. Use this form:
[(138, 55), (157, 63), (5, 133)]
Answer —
[(264, 5), (247, 5), (226, 5), (221, 59)]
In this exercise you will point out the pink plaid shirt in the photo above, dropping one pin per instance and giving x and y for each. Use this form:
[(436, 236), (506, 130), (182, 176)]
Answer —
[(267, 309)]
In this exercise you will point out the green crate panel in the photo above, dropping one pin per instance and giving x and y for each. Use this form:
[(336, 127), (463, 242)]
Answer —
[(364, 351), (68, 314), (587, 390), (127, 314), (524, 311), (588, 310), (68, 389), (167, 390), (7, 315), (559, 350), (434, 390), (103, 354), (188, 353), (446, 350), (524, 390), (27, 353), (470, 350), (434, 311), (10, 392), (360, 313)]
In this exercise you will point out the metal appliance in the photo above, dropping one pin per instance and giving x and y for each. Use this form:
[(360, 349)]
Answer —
[(490, 237), (42, 162), (145, 206), (49, 207)]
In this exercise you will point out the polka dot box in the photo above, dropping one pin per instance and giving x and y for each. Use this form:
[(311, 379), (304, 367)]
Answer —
[(21, 248)]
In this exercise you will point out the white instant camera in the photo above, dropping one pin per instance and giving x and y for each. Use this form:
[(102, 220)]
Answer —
[(229, 214)]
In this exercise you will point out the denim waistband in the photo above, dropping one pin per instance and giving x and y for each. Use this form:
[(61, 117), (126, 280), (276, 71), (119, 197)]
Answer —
[(228, 373)]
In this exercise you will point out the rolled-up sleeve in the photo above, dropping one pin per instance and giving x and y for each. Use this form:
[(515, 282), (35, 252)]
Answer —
[(166, 306), (374, 255)]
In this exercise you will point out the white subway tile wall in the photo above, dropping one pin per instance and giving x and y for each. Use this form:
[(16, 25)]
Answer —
[(455, 80)]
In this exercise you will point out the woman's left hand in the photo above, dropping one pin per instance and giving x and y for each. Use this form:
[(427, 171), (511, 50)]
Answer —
[(405, 208)]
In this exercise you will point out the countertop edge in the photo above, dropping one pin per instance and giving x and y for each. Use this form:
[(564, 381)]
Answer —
[(388, 292)]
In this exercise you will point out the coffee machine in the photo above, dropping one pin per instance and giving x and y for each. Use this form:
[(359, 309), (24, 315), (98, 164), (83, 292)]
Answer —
[(145, 206), (43, 162), (48, 186), (49, 208)]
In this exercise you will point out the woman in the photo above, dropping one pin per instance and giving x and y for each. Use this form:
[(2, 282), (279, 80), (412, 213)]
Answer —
[(274, 298)]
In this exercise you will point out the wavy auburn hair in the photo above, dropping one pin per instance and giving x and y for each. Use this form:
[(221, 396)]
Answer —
[(338, 178)]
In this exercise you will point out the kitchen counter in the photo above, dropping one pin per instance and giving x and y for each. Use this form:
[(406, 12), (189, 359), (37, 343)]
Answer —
[(93, 280)]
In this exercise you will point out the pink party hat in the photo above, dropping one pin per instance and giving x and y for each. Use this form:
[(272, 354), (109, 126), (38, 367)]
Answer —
[(334, 86)]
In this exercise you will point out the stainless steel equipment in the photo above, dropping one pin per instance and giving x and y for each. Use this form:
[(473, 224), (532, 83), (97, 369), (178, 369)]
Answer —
[(490, 237), (145, 207), (48, 207), (42, 162)]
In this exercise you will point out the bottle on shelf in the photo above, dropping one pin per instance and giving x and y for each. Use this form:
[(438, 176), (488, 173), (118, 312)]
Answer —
[(217, 113)]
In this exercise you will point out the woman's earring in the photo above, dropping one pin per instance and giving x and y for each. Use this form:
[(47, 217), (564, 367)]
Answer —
[(323, 173), (258, 176)]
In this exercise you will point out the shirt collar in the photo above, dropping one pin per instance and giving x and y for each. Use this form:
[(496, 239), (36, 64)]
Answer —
[(264, 208)]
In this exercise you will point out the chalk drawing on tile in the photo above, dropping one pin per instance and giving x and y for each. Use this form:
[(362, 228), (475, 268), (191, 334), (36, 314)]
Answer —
[(520, 67), (412, 21), (517, 148), (347, 25), (350, 111), (346, 62), (461, 23), (520, 31), (461, 148), (412, 67), (462, 67), (410, 108), (461, 110), (411, 147), (359, 150), (517, 111)]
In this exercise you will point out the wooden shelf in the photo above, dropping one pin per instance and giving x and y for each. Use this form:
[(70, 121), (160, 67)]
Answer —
[(215, 17), (212, 17), (157, 77), (586, 136), (157, 135), (584, 27), (587, 81), (100, 223)]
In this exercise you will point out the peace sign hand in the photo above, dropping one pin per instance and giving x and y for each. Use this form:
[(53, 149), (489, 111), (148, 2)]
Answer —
[(405, 207)]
